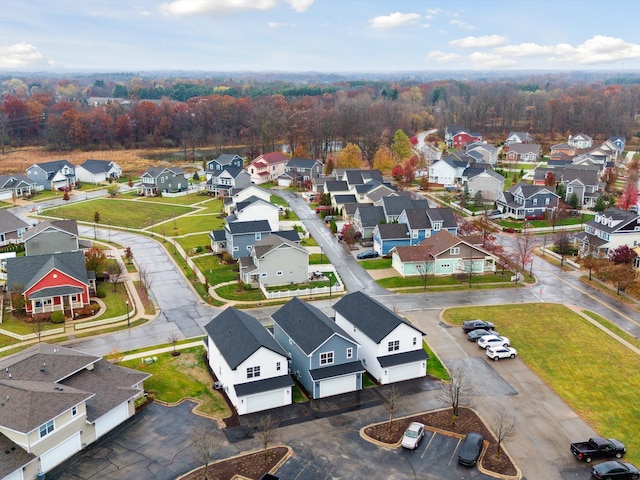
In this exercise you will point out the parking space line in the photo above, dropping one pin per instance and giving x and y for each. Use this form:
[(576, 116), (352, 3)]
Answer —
[(454, 451), (428, 444)]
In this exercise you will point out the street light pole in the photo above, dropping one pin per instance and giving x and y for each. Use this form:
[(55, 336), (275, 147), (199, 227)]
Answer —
[(321, 254), (128, 322)]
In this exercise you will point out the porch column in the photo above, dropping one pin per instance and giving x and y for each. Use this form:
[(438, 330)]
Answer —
[(70, 306)]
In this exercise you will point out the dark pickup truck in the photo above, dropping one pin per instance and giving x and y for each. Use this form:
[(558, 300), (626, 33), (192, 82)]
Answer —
[(597, 447)]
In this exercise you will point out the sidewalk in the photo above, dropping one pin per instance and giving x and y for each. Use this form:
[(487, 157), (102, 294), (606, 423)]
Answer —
[(157, 351)]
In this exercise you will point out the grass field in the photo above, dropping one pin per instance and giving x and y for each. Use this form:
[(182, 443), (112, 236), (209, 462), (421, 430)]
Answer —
[(196, 223), (191, 241), (448, 280), (596, 375), (117, 212), (215, 272)]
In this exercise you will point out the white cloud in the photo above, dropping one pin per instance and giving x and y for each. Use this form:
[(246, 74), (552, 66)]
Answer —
[(601, 49), (461, 24), (22, 56), (394, 20), (525, 50), (279, 25), (180, 8), (490, 60), (442, 57), (479, 42), (299, 5)]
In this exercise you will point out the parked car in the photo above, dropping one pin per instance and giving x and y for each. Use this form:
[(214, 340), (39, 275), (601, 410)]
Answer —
[(367, 254), (413, 435), (493, 214), (496, 353), (598, 447), (493, 341), (470, 325), (615, 470), (323, 208), (470, 449), (474, 335)]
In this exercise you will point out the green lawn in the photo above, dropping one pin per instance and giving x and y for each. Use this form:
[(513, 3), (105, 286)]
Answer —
[(118, 212), (318, 259), (278, 200), (544, 223), (192, 241), (233, 292), (115, 301), (376, 264), (195, 223), (216, 273), (189, 199), (448, 281), (597, 376), (184, 376), (435, 368)]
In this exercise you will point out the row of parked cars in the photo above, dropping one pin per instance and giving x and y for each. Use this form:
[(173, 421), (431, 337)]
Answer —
[(600, 447), (484, 334)]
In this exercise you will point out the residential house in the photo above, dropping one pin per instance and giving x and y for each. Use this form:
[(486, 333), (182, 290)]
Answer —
[(242, 194), (366, 218), (16, 186), (267, 167), (394, 205), (248, 363), (524, 152), (458, 137), (357, 176), (52, 236), (162, 180), (523, 200), (349, 210), (580, 141), (562, 149), (218, 241), (423, 223), (227, 181), (584, 182), (324, 358), (482, 152), (609, 230), (517, 137), (240, 236), (443, 254), (54, 175), (336, 187), (12, 228), (275, 261), (541, 175), (490, 183), (97, 171), (386, 236), (317, 184), (619, 142), (375, 194), (390, 347), (224, 160), (254, 208), (339, 201), (56, 401), (299, 171), (448, 170), (50, 282)]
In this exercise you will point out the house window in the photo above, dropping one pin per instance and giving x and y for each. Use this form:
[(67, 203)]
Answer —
[(278, 366), (546, 201), (74, 411), (279, 274), (263, 274), (415, 340), (454, 251), (394, 345), (46, 429), (349, 352), (258, 236), (437, 226), (326, 358), (535, 201), (415, 234), (235, 249), (253, 372), (249, 247)]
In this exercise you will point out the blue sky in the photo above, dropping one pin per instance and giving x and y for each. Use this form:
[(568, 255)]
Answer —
[(318, 35)]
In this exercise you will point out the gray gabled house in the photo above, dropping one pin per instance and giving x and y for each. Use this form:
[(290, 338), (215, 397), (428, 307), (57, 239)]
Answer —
[(12, 228), (324, 358), (366, 218), (301, 170), (162, 180), (227, 180), (16, 186), (224, 160), (241, 236), (57, 174), (522, 201), (96, 171), (52, 236)]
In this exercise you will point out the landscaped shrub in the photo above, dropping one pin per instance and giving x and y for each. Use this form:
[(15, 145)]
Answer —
[(100, 293), (57, 316)]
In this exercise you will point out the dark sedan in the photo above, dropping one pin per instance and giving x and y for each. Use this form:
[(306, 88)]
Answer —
[(470, 449), (615, 470), (470, 325), (367, 254), (474, 335)]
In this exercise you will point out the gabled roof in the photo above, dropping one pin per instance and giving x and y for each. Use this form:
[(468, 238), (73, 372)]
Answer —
[(155, 172), (350, 208), (587, 176), (305, 163), (307, 325), (53, 166), (97, 166), (523, 148), (227, 170), (14, 457), (226, 158), (483, 172), (393, 231), (67, 226), (271, 158), (455, 162), (272, 242), (368, 315), (393, 205), (420, 218), (217, 235), (378, 192), (335, 186), (251, 226), (480, 145), (370, 216), (441, 242), (12, 181), (359, 176), (24, 272), (522, 136), (527, 190), (10, 222), (251, 200), (614, 219), (344, 198), (412, 254), (238, 335), (291, 235)]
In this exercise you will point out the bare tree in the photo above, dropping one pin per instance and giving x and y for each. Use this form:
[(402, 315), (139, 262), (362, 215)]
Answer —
[(145, 277), (504, 427), (456, 392), (38, 326), (564, 244), (173, 340), (267, 428), (205, 443), (391, 401), (115, 273), (525, 242)]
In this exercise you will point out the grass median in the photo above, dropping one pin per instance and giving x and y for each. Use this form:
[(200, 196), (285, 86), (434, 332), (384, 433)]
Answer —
[(594, 373)]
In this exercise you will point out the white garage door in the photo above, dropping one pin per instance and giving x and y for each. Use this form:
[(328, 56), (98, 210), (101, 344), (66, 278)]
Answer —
[(336, 386), (404, 372), (111, 419), (59, 454), (6, 195), (265, 401), (17, 475)]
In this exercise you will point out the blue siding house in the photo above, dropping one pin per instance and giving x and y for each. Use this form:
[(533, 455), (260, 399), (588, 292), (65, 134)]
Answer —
[(387, 236), (422, 223), (324, 358), (240, 236)]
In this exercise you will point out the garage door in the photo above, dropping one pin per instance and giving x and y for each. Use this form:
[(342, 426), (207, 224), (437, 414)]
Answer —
[(17, 475), (111, 419), (265, 401), (404, 372), (59, 454), (336, 386)]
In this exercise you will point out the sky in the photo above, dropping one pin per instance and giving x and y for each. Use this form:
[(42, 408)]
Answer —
[(318, 35)]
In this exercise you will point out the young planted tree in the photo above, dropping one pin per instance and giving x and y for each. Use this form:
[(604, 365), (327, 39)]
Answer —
[(115, 273), (95, 260), (205, 442), (563, 243), (267, 429), (456, 392), (504, 427), (621, 275), (173, 340), (391, 401), (525, 243)]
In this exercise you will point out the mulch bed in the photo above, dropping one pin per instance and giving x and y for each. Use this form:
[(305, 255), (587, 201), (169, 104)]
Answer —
[(252, 465), (468, 421)]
